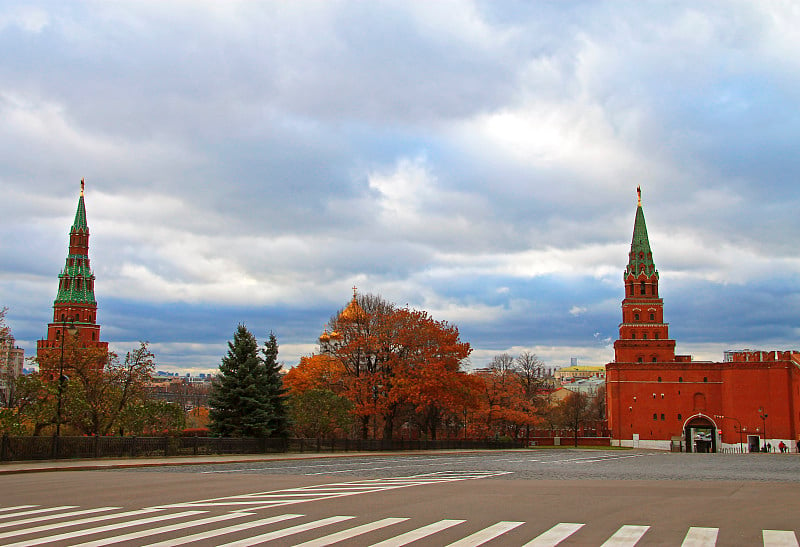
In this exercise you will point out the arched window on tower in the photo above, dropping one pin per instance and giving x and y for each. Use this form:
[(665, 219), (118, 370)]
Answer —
[(642, 288), (635, 316), (644, 336)]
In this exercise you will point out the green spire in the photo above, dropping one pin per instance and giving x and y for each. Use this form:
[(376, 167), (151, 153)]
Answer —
[(80, 215), (641, 257)]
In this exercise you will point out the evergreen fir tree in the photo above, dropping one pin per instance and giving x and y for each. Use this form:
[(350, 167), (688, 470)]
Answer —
[(240, 397), (279, 423)]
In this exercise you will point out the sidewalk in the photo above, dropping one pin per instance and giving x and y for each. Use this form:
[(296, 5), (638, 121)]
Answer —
[(42, 466)]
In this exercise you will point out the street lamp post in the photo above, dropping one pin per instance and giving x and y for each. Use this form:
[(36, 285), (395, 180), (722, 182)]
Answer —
[(65, 331), (763, 415)]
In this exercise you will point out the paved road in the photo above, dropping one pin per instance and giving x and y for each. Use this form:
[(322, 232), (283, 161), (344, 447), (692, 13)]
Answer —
[(547, 497)]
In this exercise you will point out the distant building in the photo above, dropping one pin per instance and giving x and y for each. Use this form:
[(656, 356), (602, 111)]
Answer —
[(657, 399), (75, 308), (578, 372), (12, 358)]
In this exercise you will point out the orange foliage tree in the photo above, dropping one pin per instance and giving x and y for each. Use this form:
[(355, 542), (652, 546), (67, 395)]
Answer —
[(397, 365)]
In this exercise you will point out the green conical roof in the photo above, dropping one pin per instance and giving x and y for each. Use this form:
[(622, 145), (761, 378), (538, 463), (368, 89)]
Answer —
[(641, 257), (80, 215)]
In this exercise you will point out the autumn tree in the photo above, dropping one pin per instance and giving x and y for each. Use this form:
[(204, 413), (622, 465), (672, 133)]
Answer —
[(388, 356), (320, 413), (572, 412)]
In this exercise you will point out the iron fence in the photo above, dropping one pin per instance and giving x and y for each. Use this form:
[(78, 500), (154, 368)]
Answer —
[(50, 448)]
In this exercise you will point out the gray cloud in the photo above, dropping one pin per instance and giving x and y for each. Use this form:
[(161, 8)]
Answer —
[(253, 161)]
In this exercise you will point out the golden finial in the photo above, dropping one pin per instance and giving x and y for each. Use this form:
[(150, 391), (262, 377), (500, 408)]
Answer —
[(355, 291), (639, 193), (82, 187)]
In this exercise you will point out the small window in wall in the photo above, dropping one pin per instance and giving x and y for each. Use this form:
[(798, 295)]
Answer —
[(654, 395), (662, 395), (705, 378), (680, 378), (652, 317), (656, 335), (642, 288), (659, 378), (655, 416), (655, 359), (635, 316), (680, 417), (640, 360), (633, 336), (644, 336), (662, 417)]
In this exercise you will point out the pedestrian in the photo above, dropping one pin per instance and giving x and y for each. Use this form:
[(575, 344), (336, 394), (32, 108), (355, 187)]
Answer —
[(782, 447), (769, 447), (798, 446)]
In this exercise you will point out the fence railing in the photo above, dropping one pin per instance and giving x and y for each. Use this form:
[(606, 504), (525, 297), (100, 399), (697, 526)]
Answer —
[(50, 448)]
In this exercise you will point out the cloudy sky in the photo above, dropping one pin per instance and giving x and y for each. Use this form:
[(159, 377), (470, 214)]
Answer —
[(252, 161)]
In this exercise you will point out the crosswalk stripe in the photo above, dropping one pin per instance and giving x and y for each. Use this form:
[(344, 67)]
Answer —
[(65, 524), (161, 530), (779, 538), (554, 535), (222, 531), (99, 529), (330, 539), (419, 533), (482, 536), (16, 508), (626, 536), (700, 537), (269, 536), (33, 512), (40, 518)]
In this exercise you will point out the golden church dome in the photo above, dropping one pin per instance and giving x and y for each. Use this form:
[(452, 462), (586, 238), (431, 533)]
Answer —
[(353, 312)]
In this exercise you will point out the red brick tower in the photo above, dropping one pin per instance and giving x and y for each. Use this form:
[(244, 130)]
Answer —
[(643, 335), (75, 307)]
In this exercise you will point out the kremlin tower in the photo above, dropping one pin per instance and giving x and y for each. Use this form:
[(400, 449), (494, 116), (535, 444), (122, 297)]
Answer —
[(643, 335), (75, 308)]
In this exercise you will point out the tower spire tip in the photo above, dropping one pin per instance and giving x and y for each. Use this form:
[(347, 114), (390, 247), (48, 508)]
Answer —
[(82, 183), (639, 195)]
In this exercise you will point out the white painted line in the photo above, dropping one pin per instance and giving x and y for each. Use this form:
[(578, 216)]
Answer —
[(627, 536), (15, 508), (352, 470), (222, 531), (100, 529), (700, 537), (779, 538), (65, 524), (269, 536), (41, 518), (482, 536), (161, 530), (34, 512), (419, 533), (554, 535), (351, 532)]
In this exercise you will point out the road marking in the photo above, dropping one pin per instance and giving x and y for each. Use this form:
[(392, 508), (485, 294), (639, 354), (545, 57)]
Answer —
[(700, 537), (626, 536), (33, 512), (162, 530), (16, 507), (55, 526), (222, 531), (269, 536), (482, 536), (419, 533), (265, 500), (779, 538), (351, 532), (99, 529), (554, 535), (41, 518)]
